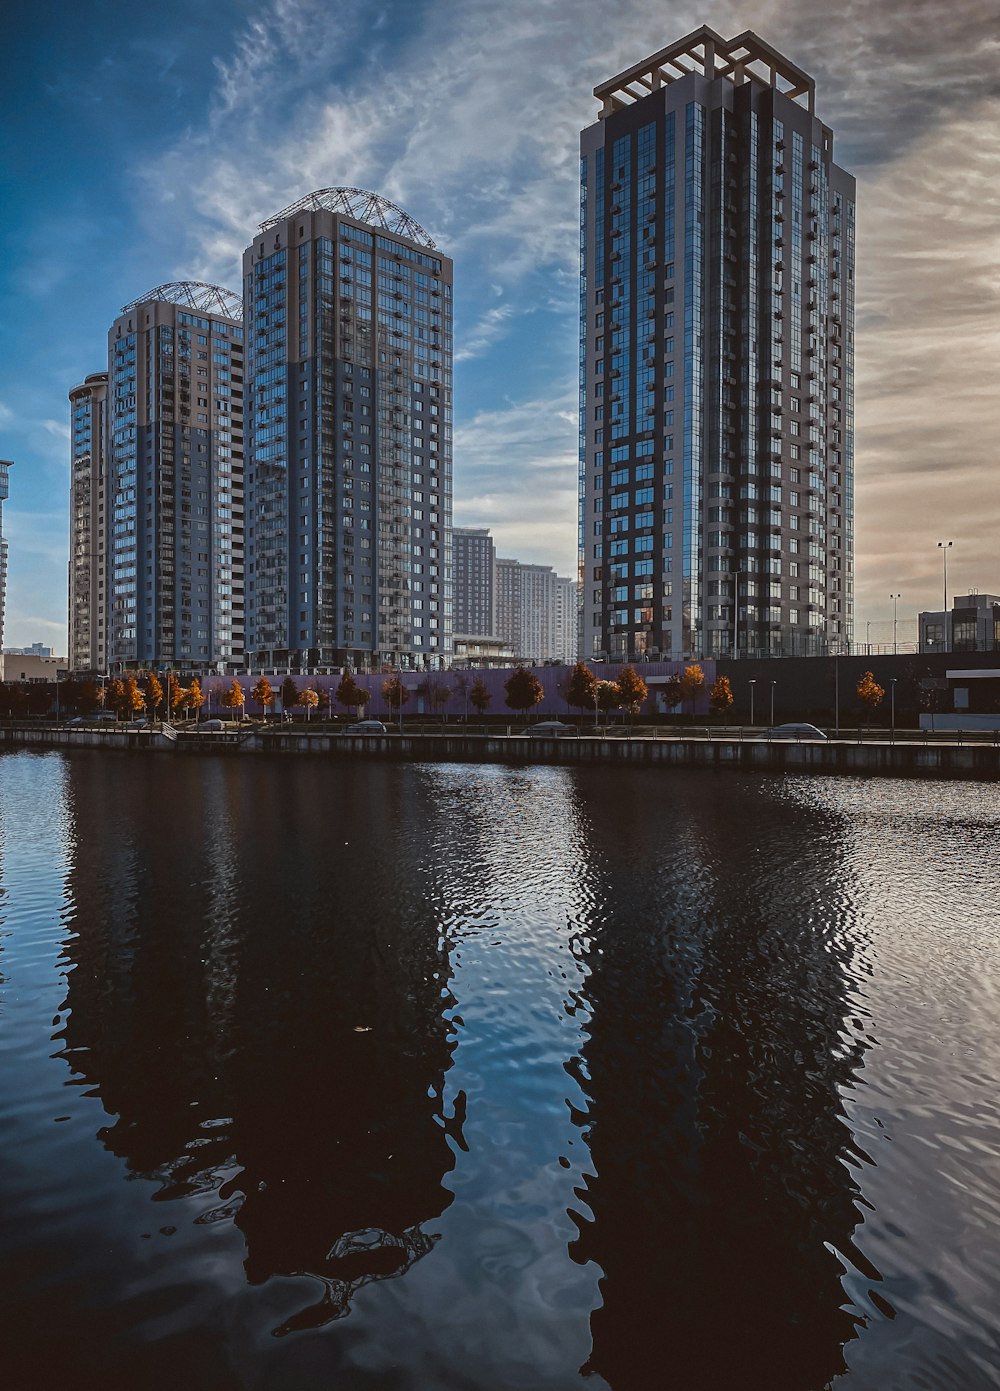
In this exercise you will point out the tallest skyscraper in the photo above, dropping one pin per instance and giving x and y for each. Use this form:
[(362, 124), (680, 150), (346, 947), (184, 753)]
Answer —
[(716, 360)]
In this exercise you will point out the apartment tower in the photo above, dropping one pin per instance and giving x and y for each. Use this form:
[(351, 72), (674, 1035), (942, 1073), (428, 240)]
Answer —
[(5, 466), (174, 480), (88, 525), (716, 360), (349, 363), (474, 561)]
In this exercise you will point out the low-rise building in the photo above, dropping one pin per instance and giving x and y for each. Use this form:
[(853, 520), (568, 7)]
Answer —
[(972, 624)]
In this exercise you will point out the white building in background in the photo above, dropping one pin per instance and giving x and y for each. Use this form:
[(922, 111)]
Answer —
[(536, 612)]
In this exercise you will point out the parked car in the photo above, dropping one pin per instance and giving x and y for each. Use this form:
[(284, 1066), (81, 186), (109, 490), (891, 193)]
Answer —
[(794, 731), (366, 727), (139, 723), (550, 729), (77, 720), (212, 726), (104, 717)]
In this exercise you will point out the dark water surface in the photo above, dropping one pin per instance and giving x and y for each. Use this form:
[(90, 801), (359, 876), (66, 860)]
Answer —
[(335, 1076)]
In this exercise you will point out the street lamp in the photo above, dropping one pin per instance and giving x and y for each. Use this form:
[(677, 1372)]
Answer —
[(773, 684), (894, 597), (753, 683), (868, 637), (944, 547), (892, 705)]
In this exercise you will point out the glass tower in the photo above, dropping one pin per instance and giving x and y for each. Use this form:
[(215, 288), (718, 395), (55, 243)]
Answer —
[(5, 466), (716, 361), (88, 525), (174, 480), (348, 311)]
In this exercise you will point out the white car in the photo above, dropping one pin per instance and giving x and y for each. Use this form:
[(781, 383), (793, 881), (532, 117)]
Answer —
[(794, 731), (366, 727), (550, 729)]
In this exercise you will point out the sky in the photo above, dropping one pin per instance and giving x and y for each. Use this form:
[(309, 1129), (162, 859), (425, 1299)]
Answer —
[(143, 144)]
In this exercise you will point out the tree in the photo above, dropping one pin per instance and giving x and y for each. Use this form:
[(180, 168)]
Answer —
[(692, 683), (870, 693), (116, 696), (436, 693), (480, 696), (232, 697), (310, 700), (323, 701), (460, 686), (720, 697), (91, 695), (395, 695), (154, 692), (263, 693), (673, 692), (134, 698), (349, 693), (633, 689), (609, 696), (580, 687), (175, 693), (523, 690), (194, 696), (289, 695)]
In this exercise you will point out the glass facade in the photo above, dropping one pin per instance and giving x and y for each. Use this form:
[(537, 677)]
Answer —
[(87, 553), (350, 445), (175, 489), (717, 336)]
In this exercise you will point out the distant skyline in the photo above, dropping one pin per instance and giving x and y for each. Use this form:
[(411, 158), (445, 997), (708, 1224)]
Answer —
[(145, 144)]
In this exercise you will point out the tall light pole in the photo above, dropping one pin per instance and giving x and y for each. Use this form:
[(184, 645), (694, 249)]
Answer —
[(753, 683), (894, 597), (892, 705), (868, 637), (773, 684), (944, 547)]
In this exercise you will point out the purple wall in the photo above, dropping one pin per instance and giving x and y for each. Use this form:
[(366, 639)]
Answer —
[(552, 678)]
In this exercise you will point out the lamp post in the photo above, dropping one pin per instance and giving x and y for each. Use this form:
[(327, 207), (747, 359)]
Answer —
[(773, 684), (868, 637), (892, 706), (944, 547), (752, 684), (894, 597)]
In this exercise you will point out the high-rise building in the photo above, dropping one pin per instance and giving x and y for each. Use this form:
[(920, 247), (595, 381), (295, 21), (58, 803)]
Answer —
[(5, 466), (566, 623), (474, 560), (88, 526), (716, 360), (349, 360), (174, 484), (533, 606)]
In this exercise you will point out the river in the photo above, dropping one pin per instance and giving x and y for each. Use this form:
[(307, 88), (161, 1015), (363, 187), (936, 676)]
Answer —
[(341, 1075)]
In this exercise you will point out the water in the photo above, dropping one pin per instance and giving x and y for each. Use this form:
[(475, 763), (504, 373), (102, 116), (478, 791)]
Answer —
[(321, 1075)]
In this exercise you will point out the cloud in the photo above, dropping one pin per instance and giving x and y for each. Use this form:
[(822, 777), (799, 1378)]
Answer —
[(474, 128), (527, 450), (487, 330)]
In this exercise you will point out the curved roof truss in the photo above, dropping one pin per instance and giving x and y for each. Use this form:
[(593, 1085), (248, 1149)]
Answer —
[(194, 294), (363, 206)]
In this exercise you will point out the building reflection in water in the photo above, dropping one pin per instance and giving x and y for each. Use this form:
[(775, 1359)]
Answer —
[(721, 1034), (267, 1029)]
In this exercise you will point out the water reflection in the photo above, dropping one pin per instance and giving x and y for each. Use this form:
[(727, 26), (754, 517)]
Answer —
[(257, 995), (720, 1037)]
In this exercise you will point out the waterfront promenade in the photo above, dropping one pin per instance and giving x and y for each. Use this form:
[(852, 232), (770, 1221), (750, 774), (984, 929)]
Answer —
[(958, 754)]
